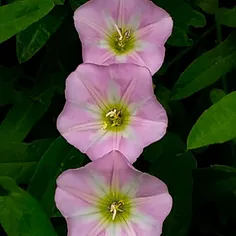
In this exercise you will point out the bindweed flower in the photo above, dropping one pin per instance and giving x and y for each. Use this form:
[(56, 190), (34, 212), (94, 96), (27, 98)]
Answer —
[(118, 31), (111, 108), (109, 197)]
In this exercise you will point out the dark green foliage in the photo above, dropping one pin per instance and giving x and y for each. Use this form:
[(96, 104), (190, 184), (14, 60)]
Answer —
[(196, 85)]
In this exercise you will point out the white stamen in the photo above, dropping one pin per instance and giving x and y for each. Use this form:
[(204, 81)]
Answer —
[(111, 113), (127, 34), (113, 209), (119, 32)]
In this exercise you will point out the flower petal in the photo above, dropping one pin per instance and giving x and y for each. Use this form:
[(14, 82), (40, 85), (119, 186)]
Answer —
[(151, 110), (156, 33), (83, 184), (75, 123), (152, 205), (150, 13), (119, 172), (102, 146), (151, 213), (113, 93), (71, 205), (127, 145), (151, 55), (83, 85), (158, 206), (135, 81), (130, 146), (128, 228), (113, 230), (92, 18), (149, 117), (86, 227), (93, 21), (101, 53)]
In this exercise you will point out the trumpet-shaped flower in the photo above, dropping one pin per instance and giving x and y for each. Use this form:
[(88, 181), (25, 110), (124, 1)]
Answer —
[(108, 197), (117, 31), (111, 108)]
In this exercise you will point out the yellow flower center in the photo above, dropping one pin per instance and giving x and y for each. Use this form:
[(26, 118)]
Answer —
[(115, 208), (115, 119), (122, 40)]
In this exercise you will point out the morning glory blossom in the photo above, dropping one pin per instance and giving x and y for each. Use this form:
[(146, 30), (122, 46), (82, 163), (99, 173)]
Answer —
[(109, 197), (111, 108), (123, 31)]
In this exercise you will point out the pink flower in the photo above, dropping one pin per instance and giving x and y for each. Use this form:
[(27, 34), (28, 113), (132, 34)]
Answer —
[(111, 108), (109, 197), (117, 31)]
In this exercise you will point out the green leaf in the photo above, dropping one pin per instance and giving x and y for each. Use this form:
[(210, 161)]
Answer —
[(21, 118), (8, 94), (182, 21), (172, 164), (67, 58), (178, 118), (59, 2), (206, 69), (60, 156), (25, 114), (32, 39), (215, 125), (18, 15), (21, 214), (209, 6), (76, 3), (19, 160), (226, 16), (216, 95), (215, 186), (217, 182)]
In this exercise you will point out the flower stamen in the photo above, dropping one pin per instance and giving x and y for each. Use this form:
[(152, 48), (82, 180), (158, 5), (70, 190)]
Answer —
[(114, 117), (116, 207), (119, 32), (104, 125), (122, 37)]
